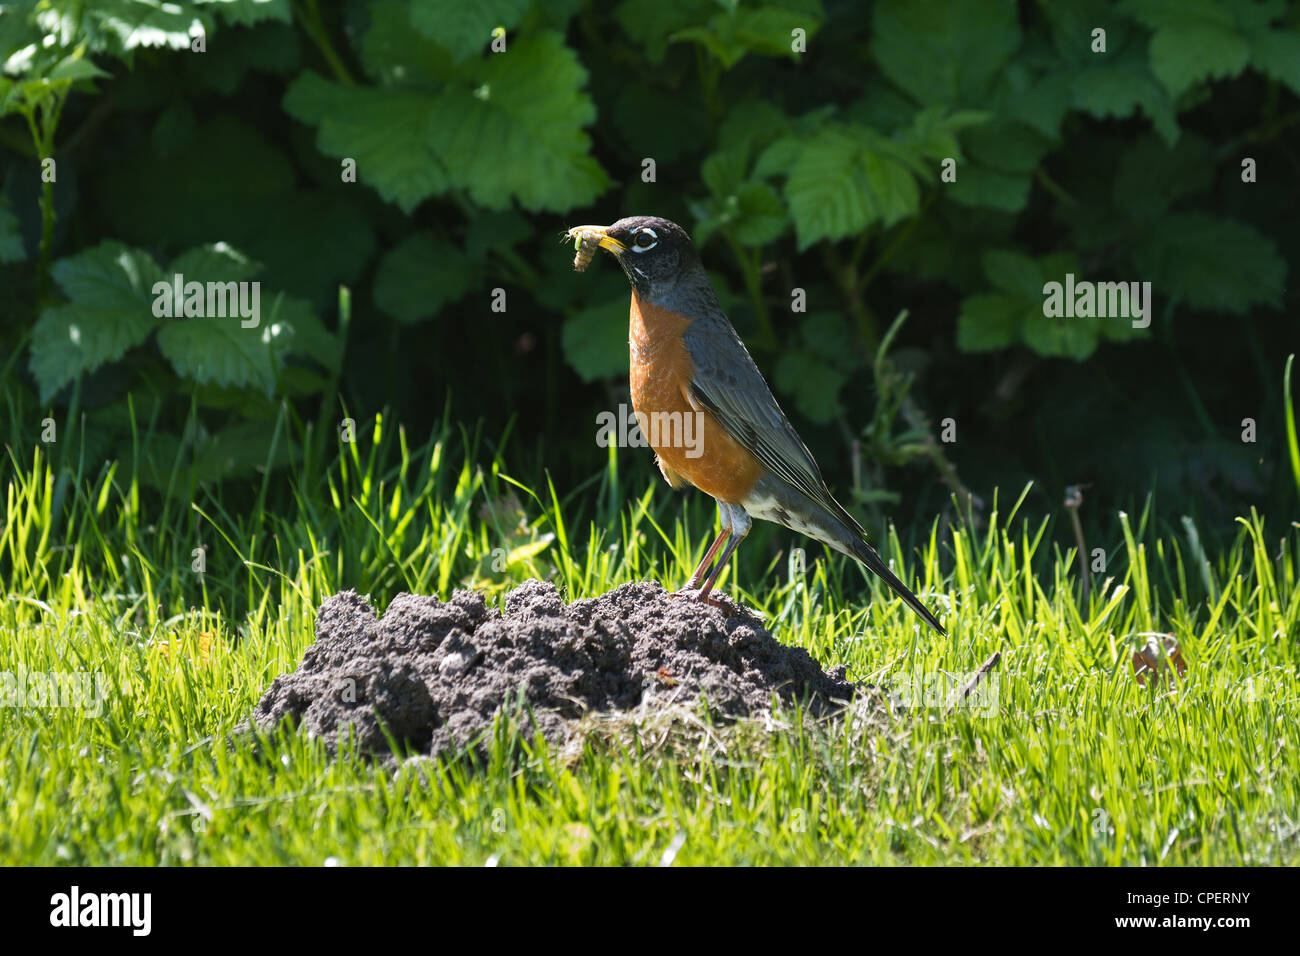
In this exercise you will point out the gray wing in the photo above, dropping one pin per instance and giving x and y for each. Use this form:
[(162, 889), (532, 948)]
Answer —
[(730, 387)]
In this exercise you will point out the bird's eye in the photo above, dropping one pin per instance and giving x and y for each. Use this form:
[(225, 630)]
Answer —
[(644, 240)]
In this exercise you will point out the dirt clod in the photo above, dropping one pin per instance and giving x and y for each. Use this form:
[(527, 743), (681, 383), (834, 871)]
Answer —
[(435, 673)]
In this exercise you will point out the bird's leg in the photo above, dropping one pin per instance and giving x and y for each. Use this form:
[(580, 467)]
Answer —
[(740, 525), (724, 518), (698, 576)]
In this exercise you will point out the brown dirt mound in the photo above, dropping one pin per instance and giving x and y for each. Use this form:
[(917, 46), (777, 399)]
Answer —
[(436, 673)]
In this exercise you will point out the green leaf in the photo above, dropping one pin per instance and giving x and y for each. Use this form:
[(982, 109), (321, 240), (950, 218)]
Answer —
[(1211, 263), (1276, 53), (1186, 53), (216, 262), (814, 386), (1070, 24), (111, 310), (944, 53), (75, 68), (1160, 13), (1254, 17), (385, 130), (249, 12), (896, 192), (1077, 337), (1039, 100), (752, 215), (827, 195), (932, 132), (296, 329), (595, 340), (517, 132), (779, 158), (18, 34), (649, 25), (1016, 313), (761, 216), (129, 24), (114, 307), (751, 125), (1006, 145), (293, 323), (724, 170), (220, 351), (841, 184), (394, 54), (110, 275), (768, 31), (421, 275), (1064, 337), (1014, 273), (989, 322), (69, 340), (1117, 87), (978, 186), (1053, 268), (463, 28)]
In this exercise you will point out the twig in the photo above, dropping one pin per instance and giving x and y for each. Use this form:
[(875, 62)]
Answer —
[(980, 674), (1073, 500)]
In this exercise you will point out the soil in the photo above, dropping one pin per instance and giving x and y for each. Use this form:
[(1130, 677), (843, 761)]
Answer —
[(431, 675)]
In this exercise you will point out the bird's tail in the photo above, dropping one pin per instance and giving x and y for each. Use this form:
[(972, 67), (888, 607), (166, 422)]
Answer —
[(867, 555)]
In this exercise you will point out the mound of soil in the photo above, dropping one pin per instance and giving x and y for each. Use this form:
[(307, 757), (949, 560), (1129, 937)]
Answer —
[(435, 673)]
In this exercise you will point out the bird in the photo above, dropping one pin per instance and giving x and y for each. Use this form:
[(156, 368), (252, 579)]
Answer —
[(687, 359)]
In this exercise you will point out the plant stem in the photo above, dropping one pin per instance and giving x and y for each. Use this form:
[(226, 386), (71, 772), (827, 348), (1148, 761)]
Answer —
[(43, 140), (308, 15)]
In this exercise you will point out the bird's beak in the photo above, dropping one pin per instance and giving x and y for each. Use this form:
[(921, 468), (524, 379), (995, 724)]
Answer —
[(601, 236)]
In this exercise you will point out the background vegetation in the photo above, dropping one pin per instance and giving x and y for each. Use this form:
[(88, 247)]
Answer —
[(178, 499), (815, 170)]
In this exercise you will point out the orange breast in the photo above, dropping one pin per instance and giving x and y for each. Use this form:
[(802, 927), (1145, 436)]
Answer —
[(688, 441)]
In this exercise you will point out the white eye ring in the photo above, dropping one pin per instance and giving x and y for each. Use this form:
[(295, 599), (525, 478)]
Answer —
[(641, 234)]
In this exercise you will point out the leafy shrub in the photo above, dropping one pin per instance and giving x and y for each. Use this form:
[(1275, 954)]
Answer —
[(383, 146)]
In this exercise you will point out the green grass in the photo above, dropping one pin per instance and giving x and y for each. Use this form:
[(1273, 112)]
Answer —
[(1076, 764)]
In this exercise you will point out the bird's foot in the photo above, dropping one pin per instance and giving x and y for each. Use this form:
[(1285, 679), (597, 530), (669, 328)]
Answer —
[(693, 594)]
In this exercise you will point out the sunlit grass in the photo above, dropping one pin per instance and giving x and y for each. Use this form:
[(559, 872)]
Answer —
[(1075, 763)]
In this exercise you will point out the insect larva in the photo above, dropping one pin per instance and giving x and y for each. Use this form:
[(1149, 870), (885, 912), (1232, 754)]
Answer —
[(584, 245)]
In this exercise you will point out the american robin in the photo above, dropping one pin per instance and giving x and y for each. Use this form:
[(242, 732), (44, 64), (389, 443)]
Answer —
[(688, 362)]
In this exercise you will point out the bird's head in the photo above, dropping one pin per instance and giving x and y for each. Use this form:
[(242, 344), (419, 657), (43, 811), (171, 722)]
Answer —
[(655, 253)]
